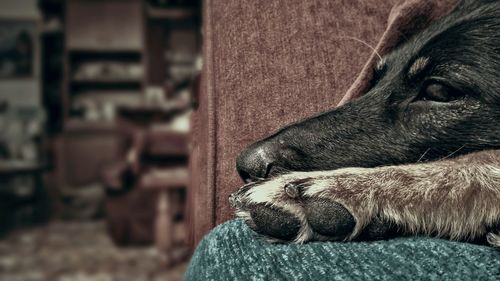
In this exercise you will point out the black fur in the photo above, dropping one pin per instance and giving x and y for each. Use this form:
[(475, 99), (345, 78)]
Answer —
[(451, 107)]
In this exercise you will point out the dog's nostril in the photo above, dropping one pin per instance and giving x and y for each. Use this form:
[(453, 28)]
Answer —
[(245, 176), (253, 175), (254, 164), (269, 167)]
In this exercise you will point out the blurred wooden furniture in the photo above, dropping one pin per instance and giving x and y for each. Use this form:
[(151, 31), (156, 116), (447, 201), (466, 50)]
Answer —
[(107, 112), (103, 67), (170, 224), (81, 153), (173, 41), (104, 53), (111, 25), (22, 204), (84, 150), (146, 197), (113, 51)]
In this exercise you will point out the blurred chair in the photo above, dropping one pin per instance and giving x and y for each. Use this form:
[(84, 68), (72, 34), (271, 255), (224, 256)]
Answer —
[(146, 192)]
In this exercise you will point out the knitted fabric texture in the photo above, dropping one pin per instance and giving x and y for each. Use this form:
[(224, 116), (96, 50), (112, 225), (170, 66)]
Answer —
[(233, 252)]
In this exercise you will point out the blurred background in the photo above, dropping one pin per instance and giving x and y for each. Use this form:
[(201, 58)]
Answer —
[(95, 104)]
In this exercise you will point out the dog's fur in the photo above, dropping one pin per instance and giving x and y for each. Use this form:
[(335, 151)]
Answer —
[(426, 139)]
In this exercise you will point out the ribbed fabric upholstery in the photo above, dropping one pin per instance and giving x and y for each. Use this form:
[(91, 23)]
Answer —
[(232, 252)]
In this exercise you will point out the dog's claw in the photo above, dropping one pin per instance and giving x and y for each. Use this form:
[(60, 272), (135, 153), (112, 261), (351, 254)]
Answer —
[(234, 201), (293, 190)]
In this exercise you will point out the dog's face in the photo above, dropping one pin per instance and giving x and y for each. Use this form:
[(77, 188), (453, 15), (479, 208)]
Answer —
[(434, 96)]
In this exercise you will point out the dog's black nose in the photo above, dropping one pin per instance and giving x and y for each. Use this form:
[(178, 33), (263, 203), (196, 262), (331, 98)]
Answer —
[(254, 163)]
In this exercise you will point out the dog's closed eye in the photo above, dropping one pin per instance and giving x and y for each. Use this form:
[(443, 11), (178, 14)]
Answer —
[(438, 92)]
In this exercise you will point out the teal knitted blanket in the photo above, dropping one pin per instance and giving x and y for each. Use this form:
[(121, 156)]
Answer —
[(233, 252)]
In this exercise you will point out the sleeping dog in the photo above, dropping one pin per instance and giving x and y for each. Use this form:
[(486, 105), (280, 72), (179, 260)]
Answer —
[(419, 153)]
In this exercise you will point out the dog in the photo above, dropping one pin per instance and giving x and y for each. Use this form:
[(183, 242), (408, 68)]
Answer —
[(418, 154)]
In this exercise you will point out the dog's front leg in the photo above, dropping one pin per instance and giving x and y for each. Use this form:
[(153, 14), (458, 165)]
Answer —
[(458, 198)]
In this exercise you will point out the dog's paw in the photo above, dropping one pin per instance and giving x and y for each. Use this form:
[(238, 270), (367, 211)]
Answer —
[(292, 208)]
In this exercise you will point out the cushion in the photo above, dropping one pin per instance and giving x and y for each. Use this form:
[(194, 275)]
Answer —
[(233, 252)]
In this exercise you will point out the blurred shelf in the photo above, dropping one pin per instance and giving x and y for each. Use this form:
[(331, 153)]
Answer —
[(145, 115), (107, 82), (181, 63), (104, 51), (78, 125), (18, 167), (55, 33), (165, 178), (169, 13), (168, 143)]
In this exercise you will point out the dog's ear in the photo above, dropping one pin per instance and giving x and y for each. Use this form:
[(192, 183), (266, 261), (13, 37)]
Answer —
[(468, 5)]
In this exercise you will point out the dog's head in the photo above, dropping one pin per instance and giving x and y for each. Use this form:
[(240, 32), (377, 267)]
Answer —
[(434, 96)]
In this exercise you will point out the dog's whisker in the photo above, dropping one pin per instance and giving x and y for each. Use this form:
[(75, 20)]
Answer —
[(362, 42), (451, 154), (423, 155)]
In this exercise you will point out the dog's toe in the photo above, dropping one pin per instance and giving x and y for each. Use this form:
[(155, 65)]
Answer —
[(265, 218), (329, 218), (292, 190), (379, 229), (274, 222)]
